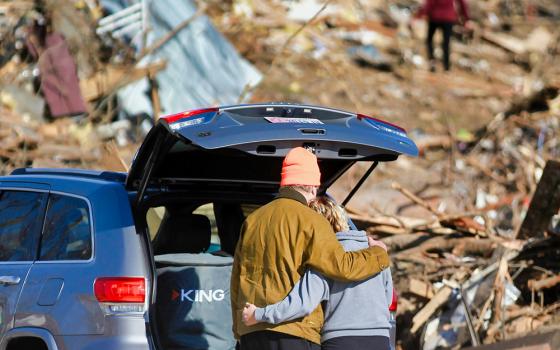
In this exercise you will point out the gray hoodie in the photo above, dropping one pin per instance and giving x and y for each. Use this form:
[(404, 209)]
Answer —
[(352, 309)]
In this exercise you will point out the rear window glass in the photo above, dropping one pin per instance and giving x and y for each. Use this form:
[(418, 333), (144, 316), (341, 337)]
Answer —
[(155, 215), (67, 233), (21, 215), (168, 225)]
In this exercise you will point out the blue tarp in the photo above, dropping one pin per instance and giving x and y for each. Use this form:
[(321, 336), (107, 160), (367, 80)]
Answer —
[(203, 68)]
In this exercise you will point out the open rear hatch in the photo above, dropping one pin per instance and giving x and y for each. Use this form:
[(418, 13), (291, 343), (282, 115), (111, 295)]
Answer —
[(240, 148)]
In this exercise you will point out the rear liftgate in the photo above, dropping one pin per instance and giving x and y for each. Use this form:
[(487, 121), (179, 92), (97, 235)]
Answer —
[(245, 145)]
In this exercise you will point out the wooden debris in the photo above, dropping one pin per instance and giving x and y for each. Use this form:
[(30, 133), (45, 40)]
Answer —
[(434, 142), (537, 285), (385, 230), (111, 159), (439, 299), (465, 224), (420, 288), (415, 198), (472, 212), (545, 202), (111, 78), (544, 341), (506, 42), (474, 247)]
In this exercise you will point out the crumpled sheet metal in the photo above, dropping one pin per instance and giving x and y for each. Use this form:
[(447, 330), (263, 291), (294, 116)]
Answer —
[(203, 68)]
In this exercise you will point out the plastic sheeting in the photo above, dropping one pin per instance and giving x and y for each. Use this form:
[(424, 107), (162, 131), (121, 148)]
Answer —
[(203, 68)]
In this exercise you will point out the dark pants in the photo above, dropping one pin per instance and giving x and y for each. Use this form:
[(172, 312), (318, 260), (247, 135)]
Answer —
[(447, 29), (357, 343), (267, 340)]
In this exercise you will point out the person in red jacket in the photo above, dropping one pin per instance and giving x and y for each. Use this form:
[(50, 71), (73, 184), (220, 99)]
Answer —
[(443, 14)]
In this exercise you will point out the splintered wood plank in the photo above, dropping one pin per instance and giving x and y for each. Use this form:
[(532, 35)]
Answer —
[(506, 42), (545, 202), (107, 80), (440, 298), (420, 288)]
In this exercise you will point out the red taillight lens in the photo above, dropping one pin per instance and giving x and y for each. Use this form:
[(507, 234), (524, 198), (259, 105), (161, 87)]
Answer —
[(393, 306), (120, 289), (175, 117), (362, 116)]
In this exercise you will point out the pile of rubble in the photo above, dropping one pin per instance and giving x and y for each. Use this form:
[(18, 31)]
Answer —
[(490, 272), (477, 260), (474, 234), (369, 56), (477, 263), (77, 75)]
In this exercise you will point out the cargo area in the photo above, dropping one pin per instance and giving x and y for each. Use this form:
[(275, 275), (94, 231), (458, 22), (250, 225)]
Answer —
[(193, 244)]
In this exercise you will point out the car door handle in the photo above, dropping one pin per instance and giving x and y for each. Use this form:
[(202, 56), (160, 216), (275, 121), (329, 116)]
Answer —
[(8, 280)]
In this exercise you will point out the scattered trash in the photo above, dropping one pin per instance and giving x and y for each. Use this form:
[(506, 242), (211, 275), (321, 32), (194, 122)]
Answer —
[(368, 55)]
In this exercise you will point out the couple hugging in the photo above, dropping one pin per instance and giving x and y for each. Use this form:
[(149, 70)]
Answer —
[(289, 260)]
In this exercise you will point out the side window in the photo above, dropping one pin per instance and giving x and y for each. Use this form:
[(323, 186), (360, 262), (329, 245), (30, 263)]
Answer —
[(21, 217), (67, 232)]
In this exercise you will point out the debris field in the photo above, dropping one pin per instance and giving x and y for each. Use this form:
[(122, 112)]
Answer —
[(472, 225)]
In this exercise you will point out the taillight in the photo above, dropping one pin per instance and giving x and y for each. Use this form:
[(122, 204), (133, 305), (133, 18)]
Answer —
[(363, 116), (175, 117), (120, 289), (394, 301)]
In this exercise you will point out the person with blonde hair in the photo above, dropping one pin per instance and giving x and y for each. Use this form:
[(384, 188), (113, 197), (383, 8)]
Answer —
[(356, 313)]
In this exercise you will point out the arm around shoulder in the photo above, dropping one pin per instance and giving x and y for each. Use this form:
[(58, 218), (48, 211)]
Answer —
[(327, 256), (305, 297)]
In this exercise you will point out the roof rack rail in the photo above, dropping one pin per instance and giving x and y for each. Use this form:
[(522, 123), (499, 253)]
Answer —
[(92, 174)]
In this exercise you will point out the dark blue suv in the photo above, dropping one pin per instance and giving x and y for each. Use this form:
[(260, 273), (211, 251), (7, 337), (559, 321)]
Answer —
[(104, 260)]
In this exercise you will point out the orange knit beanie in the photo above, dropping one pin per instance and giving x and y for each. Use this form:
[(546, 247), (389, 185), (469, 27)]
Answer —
[(300, 168)]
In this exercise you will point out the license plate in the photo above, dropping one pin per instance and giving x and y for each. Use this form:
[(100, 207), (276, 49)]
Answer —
[(280, 120)]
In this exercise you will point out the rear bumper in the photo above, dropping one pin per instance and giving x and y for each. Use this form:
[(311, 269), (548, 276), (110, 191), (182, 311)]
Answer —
[(120, 333), (96, 342)]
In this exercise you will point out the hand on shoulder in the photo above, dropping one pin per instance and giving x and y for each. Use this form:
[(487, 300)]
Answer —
[(375, 243)]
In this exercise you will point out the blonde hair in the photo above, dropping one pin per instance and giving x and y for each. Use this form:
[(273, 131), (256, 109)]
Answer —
[(332, 212)]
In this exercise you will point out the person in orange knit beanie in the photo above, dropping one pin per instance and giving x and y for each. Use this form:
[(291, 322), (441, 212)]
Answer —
[(300, 169), (278, 242)]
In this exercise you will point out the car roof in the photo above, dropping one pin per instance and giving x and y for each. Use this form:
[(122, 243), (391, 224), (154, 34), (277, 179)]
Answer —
[(72, 172), (75, 181)]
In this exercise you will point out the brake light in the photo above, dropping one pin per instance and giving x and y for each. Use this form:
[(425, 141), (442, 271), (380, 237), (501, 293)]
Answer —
[(120, 289), (362, 116), (394, 301), (175, 117)]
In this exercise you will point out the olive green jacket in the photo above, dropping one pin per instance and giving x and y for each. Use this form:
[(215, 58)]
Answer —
[(278, 242)]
